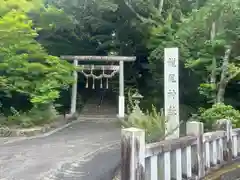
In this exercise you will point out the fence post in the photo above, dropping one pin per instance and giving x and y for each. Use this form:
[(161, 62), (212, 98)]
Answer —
[(228, 129), (133, 154), (229, 140), (196, 129)]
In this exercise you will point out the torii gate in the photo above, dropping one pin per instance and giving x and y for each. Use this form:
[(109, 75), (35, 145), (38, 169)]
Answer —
[(120, 68)]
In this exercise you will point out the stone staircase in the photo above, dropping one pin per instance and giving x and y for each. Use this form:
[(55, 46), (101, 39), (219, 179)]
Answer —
[(92, 109)]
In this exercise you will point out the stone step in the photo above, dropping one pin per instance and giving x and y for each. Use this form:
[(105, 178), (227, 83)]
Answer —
[(105, 110)]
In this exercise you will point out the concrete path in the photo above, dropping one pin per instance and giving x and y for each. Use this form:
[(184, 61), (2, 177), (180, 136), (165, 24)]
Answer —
[(228, 172), (83, 151), (231, 172)]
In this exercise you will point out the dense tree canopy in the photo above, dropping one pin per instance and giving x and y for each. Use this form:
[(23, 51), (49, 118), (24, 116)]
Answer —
[(27, 70), (35, 33)]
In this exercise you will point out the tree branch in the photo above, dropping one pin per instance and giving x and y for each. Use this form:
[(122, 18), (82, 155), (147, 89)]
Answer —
[(133, 11), (225, 64), (160, 7), (139, 17)]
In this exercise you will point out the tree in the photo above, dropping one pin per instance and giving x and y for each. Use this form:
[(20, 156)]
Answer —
[(101, 28), (206, 32), (217, 23), (26, 67)]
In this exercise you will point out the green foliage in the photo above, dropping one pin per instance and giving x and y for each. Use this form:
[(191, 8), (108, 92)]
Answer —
[(51, 18), (152, 122), (209, 32), (219, 111), (129, 100), (20, 5), (25, 65), (191, 32), (206, 89), (35, 117), (27, 70), (31, 32)]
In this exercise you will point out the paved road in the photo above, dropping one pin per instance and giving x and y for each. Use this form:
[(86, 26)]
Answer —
[(228, 172), (233, 172), (83, 151)]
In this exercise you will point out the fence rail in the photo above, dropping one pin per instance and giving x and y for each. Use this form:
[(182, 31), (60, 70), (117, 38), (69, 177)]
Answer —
[(190, 157)]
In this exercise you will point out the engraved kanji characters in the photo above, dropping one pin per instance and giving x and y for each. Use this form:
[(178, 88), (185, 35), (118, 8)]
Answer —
[(172, 93), (172, 111), (172, 78), (172, 62)]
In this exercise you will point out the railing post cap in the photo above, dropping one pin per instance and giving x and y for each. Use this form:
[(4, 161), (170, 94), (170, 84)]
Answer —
[(194, 128), (194, 122), (222, 121), (133, 129)]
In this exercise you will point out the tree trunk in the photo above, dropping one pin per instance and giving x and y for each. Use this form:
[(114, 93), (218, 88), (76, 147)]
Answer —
[(214, 63), (224, 79), (221, 92), (160, 6)]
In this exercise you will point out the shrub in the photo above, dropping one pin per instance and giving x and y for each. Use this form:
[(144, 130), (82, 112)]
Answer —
[(36, 116), (152, 122), (219, 111)]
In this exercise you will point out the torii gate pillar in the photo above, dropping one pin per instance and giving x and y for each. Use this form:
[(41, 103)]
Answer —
[(74, 90), (121, 98)]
